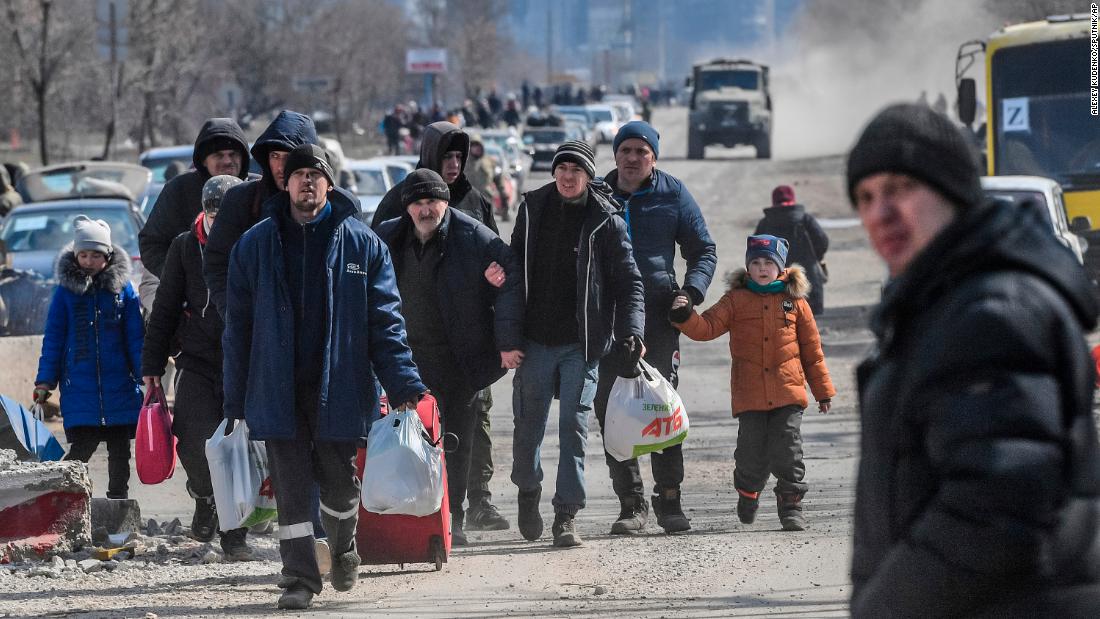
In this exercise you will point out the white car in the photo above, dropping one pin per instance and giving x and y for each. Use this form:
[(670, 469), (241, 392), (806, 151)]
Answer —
[(607, 121), (1047, 194), (397, 166), (371, 181)]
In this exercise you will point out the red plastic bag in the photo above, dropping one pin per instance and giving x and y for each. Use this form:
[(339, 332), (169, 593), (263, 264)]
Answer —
[(155, 445)]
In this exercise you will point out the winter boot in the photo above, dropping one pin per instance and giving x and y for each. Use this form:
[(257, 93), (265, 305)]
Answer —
[(747, 504), (204, 524), (670, 516), (565, 531), (341, 542), (790, 510), (530, 520), (484, 516), (296, 596), (632, 516), (234, 547), (458, 537)]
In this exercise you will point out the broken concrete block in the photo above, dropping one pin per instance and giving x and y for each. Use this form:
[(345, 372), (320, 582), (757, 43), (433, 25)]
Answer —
[(91, 565), (116, 515), (152, 528), (44, 507), (174, 527)]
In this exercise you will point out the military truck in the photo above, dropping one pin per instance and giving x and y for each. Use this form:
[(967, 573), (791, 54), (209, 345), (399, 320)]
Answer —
[(730, 104)]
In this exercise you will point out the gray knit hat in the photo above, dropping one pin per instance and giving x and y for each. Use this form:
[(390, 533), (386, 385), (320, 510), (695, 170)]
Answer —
[(575, 151), (915, 140), (214, 190), (91, 234)]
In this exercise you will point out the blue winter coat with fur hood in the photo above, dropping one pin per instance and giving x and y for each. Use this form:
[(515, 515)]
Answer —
[(92, 345)]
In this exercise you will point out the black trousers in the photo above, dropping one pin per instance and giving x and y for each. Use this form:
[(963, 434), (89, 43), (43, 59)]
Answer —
[(458, 405), (481, 458), (662, 343), (198, 412), (770, 442), (297, 465), (83, 445)]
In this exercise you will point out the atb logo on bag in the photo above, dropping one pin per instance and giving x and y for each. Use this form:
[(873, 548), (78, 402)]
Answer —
[(663, 426)]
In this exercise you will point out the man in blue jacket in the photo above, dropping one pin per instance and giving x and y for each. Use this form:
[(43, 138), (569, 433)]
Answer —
[(660, 215), (312, 318), (464, 331)]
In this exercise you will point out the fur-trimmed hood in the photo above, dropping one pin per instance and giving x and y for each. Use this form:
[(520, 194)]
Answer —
[(112, 279), (798, 285)]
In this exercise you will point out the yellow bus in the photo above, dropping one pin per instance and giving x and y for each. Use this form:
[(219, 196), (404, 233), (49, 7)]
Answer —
[(1039, 119)]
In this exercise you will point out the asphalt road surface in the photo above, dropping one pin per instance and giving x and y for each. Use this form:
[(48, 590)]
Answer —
[(720, 569)]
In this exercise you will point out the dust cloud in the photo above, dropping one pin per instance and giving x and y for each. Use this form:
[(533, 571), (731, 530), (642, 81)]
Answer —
[(840, 62)]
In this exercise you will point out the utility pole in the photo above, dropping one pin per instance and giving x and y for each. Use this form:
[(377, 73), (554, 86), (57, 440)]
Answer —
[(549, 42)]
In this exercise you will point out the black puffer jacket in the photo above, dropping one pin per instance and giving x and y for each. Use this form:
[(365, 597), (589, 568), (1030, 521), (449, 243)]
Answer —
[(181, 199), (808, 245), (610, 299), (440, 137), (481, 320), (979, 482), (241, 207), (183, 309)]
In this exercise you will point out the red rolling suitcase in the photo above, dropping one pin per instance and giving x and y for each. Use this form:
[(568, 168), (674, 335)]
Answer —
[(396, 538)]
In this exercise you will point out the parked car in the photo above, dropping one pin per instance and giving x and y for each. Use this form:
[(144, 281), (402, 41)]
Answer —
[(541, 142), (1047, 193), (607, 121), (372, 182), (112, 191), (397, 167), (35, 233)]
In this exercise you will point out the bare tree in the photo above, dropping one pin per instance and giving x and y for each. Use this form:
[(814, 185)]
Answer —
[(43, 44)]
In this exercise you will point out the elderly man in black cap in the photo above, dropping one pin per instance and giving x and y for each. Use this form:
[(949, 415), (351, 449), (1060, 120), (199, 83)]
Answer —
[(465, 332), (312, 318), (979, 479)]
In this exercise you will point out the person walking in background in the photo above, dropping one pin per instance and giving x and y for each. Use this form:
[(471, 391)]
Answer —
[(776, 350), (787, 219), (92, 349)]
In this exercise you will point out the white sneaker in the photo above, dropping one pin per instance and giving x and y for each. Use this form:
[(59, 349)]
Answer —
[(324, 556)]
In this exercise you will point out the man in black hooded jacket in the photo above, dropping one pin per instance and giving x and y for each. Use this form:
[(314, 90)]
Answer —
[(241, 208), (220, 148), (444, 145), (444, 150), (979, 478)]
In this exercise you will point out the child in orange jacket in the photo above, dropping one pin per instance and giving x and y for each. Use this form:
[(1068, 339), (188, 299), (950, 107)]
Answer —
[(776, 349)]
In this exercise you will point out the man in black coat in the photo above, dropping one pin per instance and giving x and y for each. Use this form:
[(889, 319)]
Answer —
[(182, 309), (787, 219), (220, 149), (979, 479), (241, 208), (464, 332), (444, 150), (584, 298)]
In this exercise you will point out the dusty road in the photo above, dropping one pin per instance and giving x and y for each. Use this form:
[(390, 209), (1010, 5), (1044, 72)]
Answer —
[(720, 569)]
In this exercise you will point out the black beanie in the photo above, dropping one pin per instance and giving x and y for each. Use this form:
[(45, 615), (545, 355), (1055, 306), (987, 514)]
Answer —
[(575, 151), (308, 156), (423, 183), (914, 139)]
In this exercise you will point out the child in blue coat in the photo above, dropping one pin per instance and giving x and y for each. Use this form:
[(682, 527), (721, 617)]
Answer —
[(92, 349)]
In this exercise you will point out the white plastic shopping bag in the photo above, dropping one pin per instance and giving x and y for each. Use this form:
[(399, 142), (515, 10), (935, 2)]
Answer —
[(644, 415), (239, 474), (403, 473)]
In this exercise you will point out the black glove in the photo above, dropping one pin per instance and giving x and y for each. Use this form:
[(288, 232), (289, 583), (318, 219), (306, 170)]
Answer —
[(629, 354), (680, 314)]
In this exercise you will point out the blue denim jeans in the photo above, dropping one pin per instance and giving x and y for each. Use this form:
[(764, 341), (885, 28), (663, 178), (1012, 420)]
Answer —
[(544, 369)]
